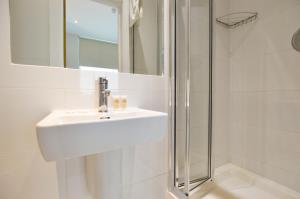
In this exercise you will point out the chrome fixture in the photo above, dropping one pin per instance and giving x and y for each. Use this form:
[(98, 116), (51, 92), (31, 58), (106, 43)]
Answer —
[(236, 19), (190, 156), (296, 40), (103, 94)]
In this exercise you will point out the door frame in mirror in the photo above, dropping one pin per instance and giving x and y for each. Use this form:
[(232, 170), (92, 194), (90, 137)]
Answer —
[(123, 43)]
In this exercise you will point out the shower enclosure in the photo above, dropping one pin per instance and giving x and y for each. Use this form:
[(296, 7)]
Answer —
[(191, 95)]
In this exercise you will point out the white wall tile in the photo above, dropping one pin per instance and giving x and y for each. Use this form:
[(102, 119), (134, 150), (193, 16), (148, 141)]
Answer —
[(21, 76), (221, 87), (80, 99), (79, 79), (153, 188), (20, 110), (27, 176), (264, 91), (142, 162), (282, 70)]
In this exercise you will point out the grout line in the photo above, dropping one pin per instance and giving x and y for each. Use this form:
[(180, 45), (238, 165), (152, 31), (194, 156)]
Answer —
[(146, 180), (265, 91)]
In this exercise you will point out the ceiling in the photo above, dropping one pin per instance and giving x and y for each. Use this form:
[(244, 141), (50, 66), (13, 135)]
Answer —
[(95, 19)]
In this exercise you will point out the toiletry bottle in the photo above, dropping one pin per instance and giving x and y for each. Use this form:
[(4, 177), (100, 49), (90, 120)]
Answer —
[(116, 102), (123, 102)]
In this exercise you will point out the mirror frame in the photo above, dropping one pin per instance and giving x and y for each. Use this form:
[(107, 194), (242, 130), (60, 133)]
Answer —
[(65, 32)]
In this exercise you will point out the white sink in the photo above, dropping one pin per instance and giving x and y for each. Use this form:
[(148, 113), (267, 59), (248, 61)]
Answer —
[(74, 133)]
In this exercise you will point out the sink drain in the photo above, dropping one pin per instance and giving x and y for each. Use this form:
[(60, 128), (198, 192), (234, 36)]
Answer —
[(104, 117)]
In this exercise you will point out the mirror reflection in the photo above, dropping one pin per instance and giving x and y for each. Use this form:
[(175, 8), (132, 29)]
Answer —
[(147, 33), (119, 35), (92, 33)]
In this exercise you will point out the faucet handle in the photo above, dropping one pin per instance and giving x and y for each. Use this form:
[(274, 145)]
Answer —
[(104, 82), (102, 79)]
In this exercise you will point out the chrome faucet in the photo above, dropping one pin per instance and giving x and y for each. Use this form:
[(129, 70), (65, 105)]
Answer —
[(103, 94)]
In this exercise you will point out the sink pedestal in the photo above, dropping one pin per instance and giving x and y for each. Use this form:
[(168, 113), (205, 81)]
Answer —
[(100, 176), (104, 175)]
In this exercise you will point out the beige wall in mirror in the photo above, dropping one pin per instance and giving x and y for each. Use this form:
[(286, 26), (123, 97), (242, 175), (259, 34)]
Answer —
[(120, 35)]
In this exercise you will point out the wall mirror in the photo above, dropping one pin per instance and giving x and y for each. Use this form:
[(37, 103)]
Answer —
[(120, 35)]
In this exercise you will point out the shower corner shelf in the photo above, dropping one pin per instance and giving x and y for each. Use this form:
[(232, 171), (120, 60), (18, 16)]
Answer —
[(236, 19)]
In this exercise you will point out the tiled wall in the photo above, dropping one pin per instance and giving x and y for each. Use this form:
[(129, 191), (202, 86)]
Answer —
[(265, 91), (221, 86), (28, 93)]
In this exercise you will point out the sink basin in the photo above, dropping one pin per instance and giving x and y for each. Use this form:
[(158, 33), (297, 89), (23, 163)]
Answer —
[(74, 133)]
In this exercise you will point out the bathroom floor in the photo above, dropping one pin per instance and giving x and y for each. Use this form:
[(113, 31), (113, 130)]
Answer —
[(232, 182)]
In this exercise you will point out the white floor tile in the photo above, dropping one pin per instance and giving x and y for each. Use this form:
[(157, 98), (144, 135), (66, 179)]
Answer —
[(232, 182)]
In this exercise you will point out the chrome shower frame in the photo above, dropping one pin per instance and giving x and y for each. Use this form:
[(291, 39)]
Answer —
[(173, 185)]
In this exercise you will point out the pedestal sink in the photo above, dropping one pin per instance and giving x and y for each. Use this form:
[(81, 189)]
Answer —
[(74, 133)]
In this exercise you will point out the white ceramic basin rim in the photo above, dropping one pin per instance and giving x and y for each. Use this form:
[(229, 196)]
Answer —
[(74, 133)]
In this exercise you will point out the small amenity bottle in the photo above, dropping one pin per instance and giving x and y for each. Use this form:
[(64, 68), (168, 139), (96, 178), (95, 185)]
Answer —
[(116, 102), (123, 102)]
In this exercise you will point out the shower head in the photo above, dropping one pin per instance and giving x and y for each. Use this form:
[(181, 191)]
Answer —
[(296, 40)]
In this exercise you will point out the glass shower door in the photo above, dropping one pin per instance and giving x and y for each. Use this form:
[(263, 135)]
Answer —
[(192, 76)]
